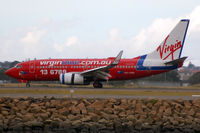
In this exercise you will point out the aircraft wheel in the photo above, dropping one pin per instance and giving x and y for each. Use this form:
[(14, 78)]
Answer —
[(97, 85), (28, 85)]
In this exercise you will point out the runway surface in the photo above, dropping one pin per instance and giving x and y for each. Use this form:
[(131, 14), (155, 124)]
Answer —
[(143, 93)]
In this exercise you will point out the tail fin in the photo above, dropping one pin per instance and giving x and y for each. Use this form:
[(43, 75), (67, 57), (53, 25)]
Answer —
[(170, 49)]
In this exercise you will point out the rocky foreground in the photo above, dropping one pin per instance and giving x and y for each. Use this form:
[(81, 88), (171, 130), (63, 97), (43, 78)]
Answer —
[(98, 115)]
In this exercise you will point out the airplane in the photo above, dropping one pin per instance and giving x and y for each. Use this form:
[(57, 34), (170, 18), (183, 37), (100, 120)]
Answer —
[(166, 57)]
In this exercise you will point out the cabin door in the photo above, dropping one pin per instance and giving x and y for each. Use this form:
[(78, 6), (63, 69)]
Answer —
[(32, 67)]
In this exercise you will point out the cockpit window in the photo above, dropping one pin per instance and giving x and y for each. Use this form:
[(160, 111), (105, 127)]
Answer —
[(18, 66)]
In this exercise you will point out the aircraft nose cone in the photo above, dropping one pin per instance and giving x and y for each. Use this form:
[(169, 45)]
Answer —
[(8, 72)]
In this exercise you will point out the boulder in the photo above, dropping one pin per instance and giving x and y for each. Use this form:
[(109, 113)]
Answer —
[(4, 112), (97, 105), (28, 117), (187, 104), (196, 102), (34, 108), (82, 108), (74, 110)]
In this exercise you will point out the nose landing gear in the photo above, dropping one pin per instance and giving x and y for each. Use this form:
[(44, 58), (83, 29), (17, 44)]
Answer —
[(28, 84), (97, 84)]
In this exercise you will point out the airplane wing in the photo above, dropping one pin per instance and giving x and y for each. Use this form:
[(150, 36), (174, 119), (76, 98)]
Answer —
[(103, 71)]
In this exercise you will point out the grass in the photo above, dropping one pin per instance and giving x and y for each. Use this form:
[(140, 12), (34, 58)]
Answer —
[(97, 92)]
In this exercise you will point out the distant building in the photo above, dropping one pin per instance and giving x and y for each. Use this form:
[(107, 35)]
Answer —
[(186, 72)]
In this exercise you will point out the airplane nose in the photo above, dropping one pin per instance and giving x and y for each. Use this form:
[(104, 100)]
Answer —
[(8, 72)]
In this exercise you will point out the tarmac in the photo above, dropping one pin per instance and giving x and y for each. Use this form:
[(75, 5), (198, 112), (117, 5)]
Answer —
[(136, 93)]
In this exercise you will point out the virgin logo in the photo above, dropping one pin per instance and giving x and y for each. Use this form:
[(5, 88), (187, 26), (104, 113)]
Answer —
[(169, 49)]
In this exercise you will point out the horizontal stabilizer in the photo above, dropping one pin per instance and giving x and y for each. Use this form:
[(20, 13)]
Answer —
[(177, 61)]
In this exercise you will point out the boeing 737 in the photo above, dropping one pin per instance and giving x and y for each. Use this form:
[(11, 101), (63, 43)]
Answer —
[(166, 57)]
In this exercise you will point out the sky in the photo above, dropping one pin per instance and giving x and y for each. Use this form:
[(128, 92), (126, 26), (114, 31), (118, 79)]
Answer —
[(44, 29)]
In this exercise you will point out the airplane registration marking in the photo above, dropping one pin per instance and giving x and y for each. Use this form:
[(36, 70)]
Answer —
[(166, 48), (52, 72)]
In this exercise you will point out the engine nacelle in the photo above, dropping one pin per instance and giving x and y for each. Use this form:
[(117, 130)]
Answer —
[(73, 79)]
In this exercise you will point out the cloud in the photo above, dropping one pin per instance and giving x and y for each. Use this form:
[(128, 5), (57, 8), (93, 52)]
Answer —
[(33, 37), (72, 41), (43, 40)]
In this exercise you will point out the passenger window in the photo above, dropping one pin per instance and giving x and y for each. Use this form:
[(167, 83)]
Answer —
[(128, 66)]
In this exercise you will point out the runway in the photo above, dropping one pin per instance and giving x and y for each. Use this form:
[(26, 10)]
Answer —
[(138, 93)]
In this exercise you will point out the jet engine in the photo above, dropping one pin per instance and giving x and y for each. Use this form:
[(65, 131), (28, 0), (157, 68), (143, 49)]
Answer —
[(73, 79)]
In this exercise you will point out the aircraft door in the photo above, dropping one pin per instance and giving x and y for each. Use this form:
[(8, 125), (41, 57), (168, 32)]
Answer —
[(32, 67)]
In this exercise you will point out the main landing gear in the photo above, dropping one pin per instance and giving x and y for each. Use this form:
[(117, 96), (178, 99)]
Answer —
[(97, 84), (28, 84)]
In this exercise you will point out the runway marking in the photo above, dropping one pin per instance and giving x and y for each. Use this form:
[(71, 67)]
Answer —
[(195, 95)]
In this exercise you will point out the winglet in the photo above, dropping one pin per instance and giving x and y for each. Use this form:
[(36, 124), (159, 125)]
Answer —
[(118, 58)]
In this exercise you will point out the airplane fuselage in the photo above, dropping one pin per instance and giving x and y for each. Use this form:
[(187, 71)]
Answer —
[(50, 69)]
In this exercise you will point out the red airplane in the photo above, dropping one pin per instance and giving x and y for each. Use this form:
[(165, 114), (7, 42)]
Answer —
[(166, 57)]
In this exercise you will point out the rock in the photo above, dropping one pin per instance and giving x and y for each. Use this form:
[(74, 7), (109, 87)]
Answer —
[(82, 108), (64, 111), (4, 112), (94, 117), (187, 104), (123, 101), (34, 123), (138, 108), (76, 123), (86, 102), (55, 104), (44, 116), (74, 102), (191, 112), (168, 111), (138, 124), (131, 118), (34, 108), (196, 102), (97, 105), (74, 110), (122, 114), (28, 117), (86, 119), (103, 121)]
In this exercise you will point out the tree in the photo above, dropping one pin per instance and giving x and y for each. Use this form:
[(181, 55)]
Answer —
[(194, 79), (171, 76)]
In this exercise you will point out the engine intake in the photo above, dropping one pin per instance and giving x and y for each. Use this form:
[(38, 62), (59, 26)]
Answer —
[(73, 79)]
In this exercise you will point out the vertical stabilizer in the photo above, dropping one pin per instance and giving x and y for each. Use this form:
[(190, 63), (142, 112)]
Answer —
[(171, 47)]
